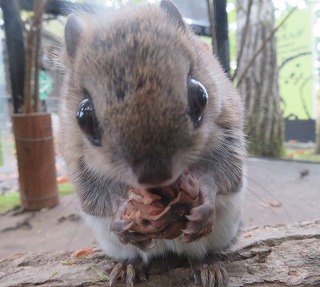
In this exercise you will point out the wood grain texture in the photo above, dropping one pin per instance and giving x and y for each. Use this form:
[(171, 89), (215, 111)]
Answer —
[(265, 256)]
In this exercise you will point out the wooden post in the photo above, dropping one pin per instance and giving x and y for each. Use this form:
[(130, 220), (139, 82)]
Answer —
[(36, 160)]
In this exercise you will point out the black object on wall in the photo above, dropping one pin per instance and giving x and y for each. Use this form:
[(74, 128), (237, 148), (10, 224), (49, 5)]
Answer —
[(15, 48), (196, 14), (299, 130), (222, 37)]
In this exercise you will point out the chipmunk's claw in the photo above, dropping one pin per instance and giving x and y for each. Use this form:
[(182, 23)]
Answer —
[(121, 229), (127, 272), (210, 274), (201, 221)]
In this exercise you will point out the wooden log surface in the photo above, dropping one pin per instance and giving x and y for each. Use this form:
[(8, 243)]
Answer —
[(264, 256)]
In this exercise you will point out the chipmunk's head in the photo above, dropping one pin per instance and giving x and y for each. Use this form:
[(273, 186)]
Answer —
[(140, 109)]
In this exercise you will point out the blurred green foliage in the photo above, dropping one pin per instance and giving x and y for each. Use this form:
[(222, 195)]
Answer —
[(12, 199)]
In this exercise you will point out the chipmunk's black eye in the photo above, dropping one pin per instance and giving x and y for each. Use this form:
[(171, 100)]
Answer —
[(88, 122), (198, 98)]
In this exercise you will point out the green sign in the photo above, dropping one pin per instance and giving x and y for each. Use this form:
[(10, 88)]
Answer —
[(45, 84), (294, 45)]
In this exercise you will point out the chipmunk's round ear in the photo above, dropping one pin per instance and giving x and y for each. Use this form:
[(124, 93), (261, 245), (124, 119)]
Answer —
[(72, 34), (173, 12)]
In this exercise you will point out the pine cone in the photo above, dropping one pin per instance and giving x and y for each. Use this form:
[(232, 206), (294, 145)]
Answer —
[(160, 213)]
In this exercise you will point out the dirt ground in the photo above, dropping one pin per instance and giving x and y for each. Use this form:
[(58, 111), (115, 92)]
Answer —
[(279, 192)]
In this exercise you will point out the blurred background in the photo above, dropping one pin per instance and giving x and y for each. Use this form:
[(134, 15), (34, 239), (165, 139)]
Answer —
[(269, 49)]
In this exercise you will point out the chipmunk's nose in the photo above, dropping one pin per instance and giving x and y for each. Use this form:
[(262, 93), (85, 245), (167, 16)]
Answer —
[(153, 172)]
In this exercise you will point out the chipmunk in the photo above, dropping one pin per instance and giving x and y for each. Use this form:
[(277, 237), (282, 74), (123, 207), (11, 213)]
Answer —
[(142, 102)]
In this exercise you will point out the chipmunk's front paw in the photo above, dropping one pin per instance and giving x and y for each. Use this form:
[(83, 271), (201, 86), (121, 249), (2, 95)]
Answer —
[(122, 229), (127, 272), (201, 221)]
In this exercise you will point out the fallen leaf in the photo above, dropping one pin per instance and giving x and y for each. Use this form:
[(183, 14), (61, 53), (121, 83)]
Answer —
[(83, 252), (270, 204), (292, 273), (99, 273), (66, 263), (63, 179), (304, 173), (275, 203), (53, 274)]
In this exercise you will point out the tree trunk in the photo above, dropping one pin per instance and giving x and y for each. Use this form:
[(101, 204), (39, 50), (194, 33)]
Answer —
[(265, 256), (258, 85)]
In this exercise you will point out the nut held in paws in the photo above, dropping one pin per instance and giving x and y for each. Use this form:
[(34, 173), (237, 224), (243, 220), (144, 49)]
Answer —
[(159, 213)]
